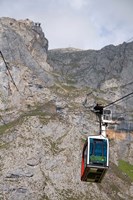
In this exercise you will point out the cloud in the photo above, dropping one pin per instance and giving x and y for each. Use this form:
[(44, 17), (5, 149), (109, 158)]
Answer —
[(82, 24), (72, 31), (77, 4), (112, 20)]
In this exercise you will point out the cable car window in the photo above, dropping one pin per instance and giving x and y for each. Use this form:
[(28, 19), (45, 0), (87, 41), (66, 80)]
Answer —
[(107, 112), (107, 115), (98, 151), (98, 148)]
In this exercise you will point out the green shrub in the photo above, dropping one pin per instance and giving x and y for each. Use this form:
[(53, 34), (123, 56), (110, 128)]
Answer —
[(126, 168)]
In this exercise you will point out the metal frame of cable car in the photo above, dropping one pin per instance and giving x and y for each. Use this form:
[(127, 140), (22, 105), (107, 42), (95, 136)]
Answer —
[(95, 159), (95, 155)]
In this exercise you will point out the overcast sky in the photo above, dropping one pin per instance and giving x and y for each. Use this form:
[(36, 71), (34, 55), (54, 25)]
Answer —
[(85, 24)]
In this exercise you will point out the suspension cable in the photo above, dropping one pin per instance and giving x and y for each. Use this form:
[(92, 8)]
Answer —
[(118, 100), (9, 71)]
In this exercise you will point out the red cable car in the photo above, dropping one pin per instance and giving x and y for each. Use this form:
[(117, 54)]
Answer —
[(95, 159)]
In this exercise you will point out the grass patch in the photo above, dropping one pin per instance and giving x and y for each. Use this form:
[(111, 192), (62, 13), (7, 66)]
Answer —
[(43, 111), (69, 87), (54, 146), (4, 145), (83, 140), (6, 127), (63, 90), (114, 188), (44, 197), (44, 119), (114, 169), (100, 100), (74, 106), (126, 168)]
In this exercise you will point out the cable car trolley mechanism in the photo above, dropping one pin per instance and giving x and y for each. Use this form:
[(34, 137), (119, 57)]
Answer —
[(95, 155)]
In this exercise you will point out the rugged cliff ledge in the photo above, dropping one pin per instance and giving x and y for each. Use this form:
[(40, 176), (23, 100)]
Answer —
[(111, 66), (24, 47)]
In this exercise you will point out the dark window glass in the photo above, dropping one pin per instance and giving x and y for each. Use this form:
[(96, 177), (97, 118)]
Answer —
[(98, 151)]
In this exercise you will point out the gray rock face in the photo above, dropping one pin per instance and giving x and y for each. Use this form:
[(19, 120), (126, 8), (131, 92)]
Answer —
[(24, 48), (97, 69), (41, 144), (110, 70)]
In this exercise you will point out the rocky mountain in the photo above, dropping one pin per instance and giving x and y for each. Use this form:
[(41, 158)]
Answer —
[(44, 124), (109, 69)]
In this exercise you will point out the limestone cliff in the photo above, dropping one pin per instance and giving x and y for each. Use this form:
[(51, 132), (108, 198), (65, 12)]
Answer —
[(46, 124), (24, 47), (110, 69)]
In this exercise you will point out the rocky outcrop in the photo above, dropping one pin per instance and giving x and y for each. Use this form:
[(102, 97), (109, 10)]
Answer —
[(110, 70), (108, 67), (24, 47)]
